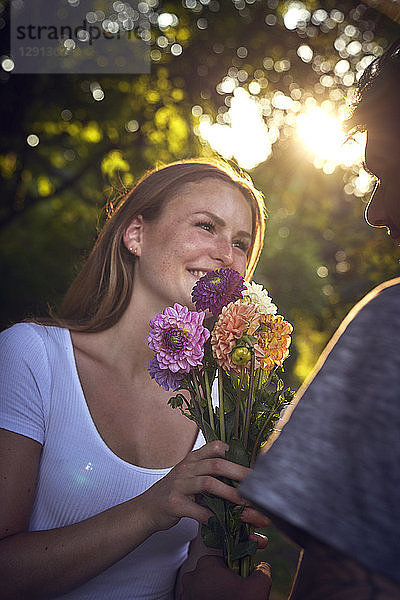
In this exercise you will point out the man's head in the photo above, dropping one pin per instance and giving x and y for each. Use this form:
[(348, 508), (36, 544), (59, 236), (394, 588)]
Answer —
[(377, 111)]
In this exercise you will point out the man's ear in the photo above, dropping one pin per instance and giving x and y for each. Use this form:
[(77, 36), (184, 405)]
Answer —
[(133, 235)]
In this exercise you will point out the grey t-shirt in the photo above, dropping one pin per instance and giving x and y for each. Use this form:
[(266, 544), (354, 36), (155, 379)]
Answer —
[(334, 472)]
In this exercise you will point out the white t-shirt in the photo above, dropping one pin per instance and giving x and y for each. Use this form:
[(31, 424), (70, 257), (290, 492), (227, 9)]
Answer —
[(79, 476)]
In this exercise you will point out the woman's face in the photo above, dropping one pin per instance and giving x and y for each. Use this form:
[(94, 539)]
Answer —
[(206, 225)]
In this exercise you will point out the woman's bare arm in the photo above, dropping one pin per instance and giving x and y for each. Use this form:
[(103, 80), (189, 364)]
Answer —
[(43, 564)]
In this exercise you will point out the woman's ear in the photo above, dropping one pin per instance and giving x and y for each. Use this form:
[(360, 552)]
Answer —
[(133, 235)]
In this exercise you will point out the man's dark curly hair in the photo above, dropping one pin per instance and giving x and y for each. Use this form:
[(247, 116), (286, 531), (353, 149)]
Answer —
[(377, 100)]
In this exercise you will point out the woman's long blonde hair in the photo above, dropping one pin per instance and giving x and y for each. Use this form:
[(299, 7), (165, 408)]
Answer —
[(101, 292)]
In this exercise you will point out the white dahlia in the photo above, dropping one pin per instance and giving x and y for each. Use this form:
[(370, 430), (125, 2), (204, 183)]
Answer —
[(256, 294)]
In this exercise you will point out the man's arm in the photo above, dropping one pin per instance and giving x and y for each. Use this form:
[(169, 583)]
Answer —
[(326, 574)]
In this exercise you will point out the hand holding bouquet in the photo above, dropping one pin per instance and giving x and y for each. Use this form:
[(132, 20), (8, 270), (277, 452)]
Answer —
[(243, 353)]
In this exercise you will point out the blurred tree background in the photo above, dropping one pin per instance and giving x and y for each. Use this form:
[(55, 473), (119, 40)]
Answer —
[(262, 82)]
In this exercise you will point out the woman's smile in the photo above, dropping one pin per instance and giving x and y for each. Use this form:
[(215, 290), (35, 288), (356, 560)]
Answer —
[(198, 273)]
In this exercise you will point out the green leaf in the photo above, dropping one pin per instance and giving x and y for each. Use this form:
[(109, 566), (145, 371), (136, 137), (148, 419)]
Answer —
[(288, 394), (246, 340), (230, 393), (217, 505), (208, 431), (243, 549), (195, 416), (229, 424), (176, 401), (237, 453), (235, 523), (212, 533)]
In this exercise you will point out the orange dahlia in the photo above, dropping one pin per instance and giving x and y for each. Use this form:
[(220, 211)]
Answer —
[(273, 338), (234, 320)]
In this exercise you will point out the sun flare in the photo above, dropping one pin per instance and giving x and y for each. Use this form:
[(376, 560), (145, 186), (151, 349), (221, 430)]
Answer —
[(248, 128), (244, 134), (323, 133)]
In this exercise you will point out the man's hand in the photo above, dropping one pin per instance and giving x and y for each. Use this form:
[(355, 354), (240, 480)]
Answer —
[(211, 580)]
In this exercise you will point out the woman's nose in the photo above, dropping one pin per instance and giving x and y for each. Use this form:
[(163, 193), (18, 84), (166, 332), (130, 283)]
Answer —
[(375, 214), (222, 251)]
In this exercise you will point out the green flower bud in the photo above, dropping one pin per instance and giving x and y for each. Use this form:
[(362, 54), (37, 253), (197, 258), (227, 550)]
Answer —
[(241, 356)]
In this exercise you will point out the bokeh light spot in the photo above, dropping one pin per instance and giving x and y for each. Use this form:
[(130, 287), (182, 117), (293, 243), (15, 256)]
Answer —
[(32, 140)]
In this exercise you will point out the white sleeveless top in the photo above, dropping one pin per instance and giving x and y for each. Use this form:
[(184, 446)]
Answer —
[(41, 397)]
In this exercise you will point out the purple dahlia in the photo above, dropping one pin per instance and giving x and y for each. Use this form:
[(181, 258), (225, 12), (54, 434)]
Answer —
[(217, 289), (164, 377), (177, 336)]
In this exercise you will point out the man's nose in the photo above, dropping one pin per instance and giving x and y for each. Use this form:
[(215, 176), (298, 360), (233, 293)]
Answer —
[(375, 214)]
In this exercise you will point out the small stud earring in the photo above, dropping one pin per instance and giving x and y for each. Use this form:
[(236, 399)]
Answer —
[(131, 249)]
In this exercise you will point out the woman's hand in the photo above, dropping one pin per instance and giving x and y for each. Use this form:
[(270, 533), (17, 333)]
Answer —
[(211, 580), (173, 496)]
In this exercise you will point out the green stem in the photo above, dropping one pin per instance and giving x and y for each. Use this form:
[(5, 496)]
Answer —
[(249, 403), (245, 566), (196, 397), (237, 410), (260, 434), (221, 405), (196, 387), (258, 379), (209, 401)]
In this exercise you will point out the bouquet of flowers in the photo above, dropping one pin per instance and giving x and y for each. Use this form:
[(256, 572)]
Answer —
[(242, 353)]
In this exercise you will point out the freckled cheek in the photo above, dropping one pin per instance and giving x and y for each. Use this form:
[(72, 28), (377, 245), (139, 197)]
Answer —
[(193, 244), (240, 264), (174, 255)]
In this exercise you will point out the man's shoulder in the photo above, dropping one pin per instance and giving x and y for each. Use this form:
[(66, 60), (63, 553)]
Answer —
[(380, 304), (387, 289)]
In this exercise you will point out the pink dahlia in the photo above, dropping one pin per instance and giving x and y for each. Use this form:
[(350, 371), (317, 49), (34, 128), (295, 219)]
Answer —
[(216, 289), (234, 320), (177, 336)]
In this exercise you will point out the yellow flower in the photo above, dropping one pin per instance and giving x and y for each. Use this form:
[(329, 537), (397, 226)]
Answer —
[(273, 338)]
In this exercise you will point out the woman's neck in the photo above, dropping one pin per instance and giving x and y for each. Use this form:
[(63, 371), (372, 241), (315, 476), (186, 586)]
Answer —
[(124, 345)]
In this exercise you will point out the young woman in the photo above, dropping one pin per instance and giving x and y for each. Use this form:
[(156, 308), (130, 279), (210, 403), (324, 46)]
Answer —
[(98, 474)]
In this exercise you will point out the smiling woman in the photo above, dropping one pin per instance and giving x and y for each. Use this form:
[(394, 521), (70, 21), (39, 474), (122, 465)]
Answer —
[(101, 292), (189, 239), (97, 469)]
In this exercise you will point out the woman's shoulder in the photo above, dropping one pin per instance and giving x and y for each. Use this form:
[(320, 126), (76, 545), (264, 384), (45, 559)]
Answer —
[(32, 337)]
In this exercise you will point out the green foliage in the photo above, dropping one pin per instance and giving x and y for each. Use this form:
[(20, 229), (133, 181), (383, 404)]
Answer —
[(248, 409), (176, 401), (243, 549), (212, 533), (237, 453), (226, 530), (270, 401)]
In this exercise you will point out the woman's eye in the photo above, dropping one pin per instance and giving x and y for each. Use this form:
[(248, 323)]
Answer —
[(242, 245), (206, 225)]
